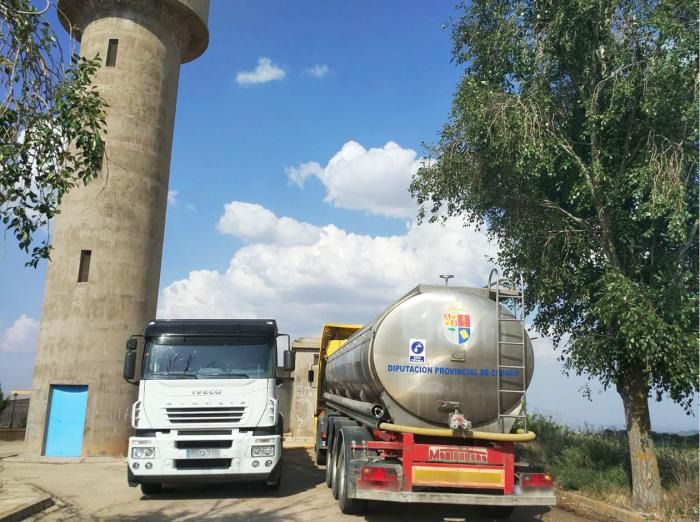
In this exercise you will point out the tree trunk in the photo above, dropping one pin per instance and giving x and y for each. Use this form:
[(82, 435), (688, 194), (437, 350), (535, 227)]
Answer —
[(646, 482)]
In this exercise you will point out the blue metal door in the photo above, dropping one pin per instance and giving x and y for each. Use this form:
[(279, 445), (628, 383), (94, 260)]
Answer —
[(64, 435)]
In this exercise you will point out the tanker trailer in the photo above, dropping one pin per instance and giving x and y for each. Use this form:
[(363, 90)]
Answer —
[(418, 405)]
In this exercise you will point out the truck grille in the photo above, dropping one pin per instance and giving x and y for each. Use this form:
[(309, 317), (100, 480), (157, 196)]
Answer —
[(203, 464), (194, 444), (205, 415)]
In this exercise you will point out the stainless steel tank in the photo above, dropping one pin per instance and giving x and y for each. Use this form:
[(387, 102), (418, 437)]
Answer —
[(435, 344)]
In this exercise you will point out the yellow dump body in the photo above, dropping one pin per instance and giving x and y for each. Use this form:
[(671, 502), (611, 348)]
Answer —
[(333, 336)]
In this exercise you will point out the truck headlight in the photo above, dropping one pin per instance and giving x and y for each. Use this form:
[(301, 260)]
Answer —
[(143, 452), (263, 451)]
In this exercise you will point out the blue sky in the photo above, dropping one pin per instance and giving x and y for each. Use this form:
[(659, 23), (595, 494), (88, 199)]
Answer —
[(289, 195)]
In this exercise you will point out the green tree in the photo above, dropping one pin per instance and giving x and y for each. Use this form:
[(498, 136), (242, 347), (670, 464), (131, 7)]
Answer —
[(573, 141), (51, 123), (4, 401)]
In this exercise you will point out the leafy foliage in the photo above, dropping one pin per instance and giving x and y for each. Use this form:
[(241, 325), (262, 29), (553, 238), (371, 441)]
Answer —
[(573, 140), (4, 401), (51, 122)]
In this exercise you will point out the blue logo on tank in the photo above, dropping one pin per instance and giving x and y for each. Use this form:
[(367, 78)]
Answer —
[(416, 351)]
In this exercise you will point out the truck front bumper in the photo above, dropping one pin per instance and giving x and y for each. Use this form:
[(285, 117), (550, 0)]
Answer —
[(203, 458), (184, 478), (427, 497)]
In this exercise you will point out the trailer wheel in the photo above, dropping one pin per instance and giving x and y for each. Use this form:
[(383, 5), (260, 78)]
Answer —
[(319, 453), (335, 424), (349, 506), (320, 457), (329, 466), (337, 448), (497, 512), (150, 488)]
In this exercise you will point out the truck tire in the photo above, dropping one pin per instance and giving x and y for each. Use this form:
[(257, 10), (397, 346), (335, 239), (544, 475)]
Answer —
[(497, 512), (337, 447), (329, 465), (349, 506), (151, 488), (335, 424), (319, 453), (275, 479), (320, 456)]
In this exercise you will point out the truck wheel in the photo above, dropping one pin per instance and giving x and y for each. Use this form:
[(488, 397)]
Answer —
[(273, 482), (334, 428), (151, 489), (349, 506), (334, 468), (320, 456), (329, 466), (498, 512), (319, 453)]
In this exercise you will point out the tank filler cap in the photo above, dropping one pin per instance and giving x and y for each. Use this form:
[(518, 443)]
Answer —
[(457, 356)]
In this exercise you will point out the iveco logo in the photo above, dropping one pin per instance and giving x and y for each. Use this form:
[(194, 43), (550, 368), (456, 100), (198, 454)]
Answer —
[(213, 391)]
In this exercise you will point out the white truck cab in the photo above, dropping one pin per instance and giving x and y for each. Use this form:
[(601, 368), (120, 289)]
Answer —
[(207, 408)]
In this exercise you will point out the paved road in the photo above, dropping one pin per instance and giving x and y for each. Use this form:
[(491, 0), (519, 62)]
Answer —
[(97, 490)]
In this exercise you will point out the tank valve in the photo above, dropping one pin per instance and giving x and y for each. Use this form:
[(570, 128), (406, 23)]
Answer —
[(378, 411), (459, 422)]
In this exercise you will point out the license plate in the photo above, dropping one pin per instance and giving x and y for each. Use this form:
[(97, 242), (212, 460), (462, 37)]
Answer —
[(203, 453)]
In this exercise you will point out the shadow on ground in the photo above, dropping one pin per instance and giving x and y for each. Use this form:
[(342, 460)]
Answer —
[(300, 477), (379, 512), (299, 474)]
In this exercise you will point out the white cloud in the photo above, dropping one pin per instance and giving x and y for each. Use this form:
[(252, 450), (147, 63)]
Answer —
[(298, 175), (254, 223), (172, 197), (264, 72), (318, 70), (302, 274), (20, 336), (375, 180)]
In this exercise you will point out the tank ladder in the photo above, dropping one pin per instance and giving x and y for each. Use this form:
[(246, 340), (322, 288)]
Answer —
[(509, 294)]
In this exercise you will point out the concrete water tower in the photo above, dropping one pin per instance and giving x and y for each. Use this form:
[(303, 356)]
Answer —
[(102, 282)]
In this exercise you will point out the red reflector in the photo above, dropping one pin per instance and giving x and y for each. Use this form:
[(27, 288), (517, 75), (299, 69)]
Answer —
[(323, 435), (536, 481), (376, 477)]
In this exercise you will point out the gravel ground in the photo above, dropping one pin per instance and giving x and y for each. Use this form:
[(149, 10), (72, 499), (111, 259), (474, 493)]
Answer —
[(97, 490)]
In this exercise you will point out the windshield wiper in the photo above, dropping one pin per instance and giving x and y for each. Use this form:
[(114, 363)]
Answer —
[(223, 376), (166, 375)]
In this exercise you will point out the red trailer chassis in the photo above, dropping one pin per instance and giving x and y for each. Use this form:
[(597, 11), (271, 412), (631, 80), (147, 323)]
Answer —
[(436, 462), (366, 464)]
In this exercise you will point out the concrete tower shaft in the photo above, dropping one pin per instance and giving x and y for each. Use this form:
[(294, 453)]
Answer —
[(102, 282)]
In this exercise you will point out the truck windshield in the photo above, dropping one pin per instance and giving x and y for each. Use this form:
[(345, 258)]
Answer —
[(239, 357)]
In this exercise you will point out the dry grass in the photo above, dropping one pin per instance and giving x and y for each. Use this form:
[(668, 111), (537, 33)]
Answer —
[(596, 463)]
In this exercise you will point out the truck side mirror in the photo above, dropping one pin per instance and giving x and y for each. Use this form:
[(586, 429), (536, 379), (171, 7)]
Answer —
[(129, 365), (313, 376), (289, 360), (131, 345)]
